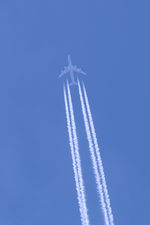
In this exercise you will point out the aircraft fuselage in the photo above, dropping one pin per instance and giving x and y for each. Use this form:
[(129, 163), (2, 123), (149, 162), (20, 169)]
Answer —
[(71, 70)]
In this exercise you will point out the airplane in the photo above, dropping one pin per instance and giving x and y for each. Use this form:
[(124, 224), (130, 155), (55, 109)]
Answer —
[(71, 68)]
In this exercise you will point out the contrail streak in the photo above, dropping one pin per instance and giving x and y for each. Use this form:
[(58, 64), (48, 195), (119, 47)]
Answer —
[(94, 162), (99, 160), (73, 157), (76, 161)]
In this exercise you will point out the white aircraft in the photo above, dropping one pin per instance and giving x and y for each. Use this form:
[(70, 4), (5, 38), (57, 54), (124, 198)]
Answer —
[(71, 68)]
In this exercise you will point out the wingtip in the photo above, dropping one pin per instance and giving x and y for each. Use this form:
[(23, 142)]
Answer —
[(59, 76)]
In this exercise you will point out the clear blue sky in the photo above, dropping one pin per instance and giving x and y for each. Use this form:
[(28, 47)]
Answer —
[(110, 41)]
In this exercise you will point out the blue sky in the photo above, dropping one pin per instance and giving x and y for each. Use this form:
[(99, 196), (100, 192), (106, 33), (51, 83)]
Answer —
[(110, 41)]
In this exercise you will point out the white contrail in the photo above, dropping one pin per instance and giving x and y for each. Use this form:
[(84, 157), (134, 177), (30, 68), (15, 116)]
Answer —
[(94, 162), (77, 155), (99, 160), (73, 158)]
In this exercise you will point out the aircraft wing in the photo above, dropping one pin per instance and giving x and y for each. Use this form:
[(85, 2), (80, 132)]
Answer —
[(66, 70), (78, 70)]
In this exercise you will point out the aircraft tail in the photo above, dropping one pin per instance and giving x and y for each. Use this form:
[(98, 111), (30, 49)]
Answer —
[(73, 83)]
